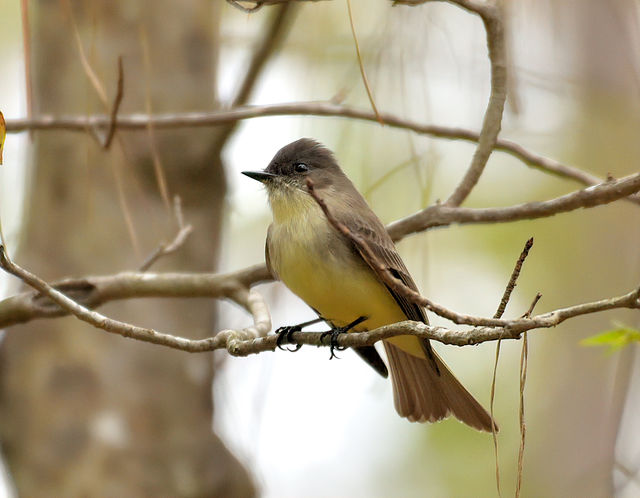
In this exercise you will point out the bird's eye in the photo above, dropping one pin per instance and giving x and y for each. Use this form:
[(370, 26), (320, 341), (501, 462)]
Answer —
[(300, 168)]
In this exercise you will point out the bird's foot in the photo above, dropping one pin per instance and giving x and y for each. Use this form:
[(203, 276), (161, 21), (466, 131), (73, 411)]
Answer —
[(333, 343), (284, 336), (335, 333)]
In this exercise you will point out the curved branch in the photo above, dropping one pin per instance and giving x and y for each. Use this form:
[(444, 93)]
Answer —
[(322, 109), (248, 299), (254, 339), (491, 16), (92, 292), (440, 215)]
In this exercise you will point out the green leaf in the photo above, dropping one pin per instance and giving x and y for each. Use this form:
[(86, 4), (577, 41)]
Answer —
[(616, 339)]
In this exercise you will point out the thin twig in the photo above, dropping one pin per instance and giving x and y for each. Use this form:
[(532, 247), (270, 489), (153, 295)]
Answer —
[(513, 279), (477, 7), (91, 75), (158, 169), (524, 362), (529, 312), (361, 64), (102, 95), (246, 10), (271, 39), (498, 314), (266, 49), (258, 4), (116, 106), (165, 249), (494, 434)]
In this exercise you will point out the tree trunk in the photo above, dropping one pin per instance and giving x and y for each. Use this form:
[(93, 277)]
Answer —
[(84, 413)]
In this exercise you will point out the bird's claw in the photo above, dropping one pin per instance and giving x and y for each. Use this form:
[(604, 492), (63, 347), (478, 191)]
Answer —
[(284, 336), (333, 344), (335, 333)]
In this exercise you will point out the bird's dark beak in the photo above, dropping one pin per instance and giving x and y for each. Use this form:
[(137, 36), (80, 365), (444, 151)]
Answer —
[(261, 176)]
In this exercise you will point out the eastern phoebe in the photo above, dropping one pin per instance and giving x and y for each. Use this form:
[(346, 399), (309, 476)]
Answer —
[(323, 267)]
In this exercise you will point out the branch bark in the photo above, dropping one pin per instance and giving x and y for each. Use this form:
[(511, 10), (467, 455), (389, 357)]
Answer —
[(95, 291), (254, 339), (440, 215), (324, 109), (491, 15)]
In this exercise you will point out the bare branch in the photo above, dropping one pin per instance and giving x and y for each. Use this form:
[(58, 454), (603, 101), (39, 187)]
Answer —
[(498, 314), (532, 306), (513, 279), (440, 215), (326, 109), (474, 6), (92, 292), (254, 339), (265, 49), (250, 300), (492, 18), (165, 249), (90, 73), (492, 122), (116, 106), (158, 168), (512, 329)]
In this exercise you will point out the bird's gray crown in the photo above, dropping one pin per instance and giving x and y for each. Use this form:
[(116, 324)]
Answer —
[(306, 151)]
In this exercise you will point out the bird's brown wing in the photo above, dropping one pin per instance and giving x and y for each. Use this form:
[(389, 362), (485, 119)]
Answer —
[(424, 388), (375, 235)]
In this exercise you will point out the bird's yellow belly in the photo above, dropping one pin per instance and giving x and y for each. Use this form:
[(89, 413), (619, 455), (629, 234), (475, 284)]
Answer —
[(340, 287), (340, 292)]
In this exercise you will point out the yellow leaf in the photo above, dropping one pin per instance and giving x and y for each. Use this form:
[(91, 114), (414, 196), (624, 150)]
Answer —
[(3, 133)]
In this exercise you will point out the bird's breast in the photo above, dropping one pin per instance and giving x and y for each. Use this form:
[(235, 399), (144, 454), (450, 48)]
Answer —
[(319, 265)]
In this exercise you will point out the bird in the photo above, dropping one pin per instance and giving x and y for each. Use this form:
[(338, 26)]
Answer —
[(325, 269)]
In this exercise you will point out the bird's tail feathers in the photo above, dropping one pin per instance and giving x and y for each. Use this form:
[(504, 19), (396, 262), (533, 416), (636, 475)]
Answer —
[(421, 394)]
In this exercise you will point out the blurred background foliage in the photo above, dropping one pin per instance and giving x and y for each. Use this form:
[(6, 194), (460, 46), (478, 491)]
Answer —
[(300, 425)]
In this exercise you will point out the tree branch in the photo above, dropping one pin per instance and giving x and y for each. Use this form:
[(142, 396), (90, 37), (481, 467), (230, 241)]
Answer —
[(116, 106), (491, 15), (323, 109), (164, 249), (249, 300), (92, 292), (440, 215), (266, 49), (253, 339)]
